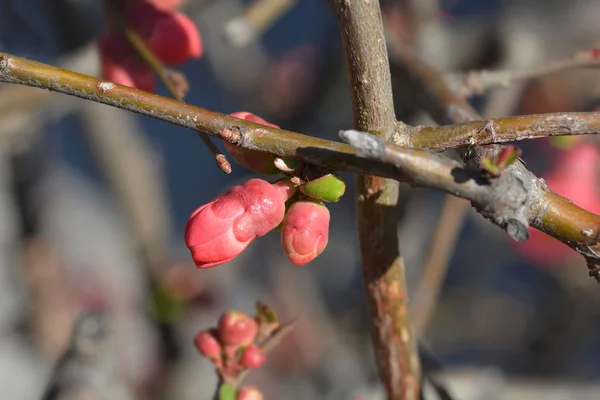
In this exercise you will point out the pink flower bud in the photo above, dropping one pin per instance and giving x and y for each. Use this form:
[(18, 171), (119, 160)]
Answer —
[(249, 393), (172, 36), (237, 329), (305, 231), (220, 230), (208, 345), (257, 161), (253, 357)]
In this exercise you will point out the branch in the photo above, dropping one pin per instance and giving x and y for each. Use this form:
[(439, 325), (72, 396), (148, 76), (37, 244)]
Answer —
[(507, 129), (383, 268), (546, 211), (479, 82), (502, 201)]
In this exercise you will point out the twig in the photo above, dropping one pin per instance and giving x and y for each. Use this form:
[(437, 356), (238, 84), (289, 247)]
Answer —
[(507, 129), (441, 246), (479, 82), (382, 265), (176, 84), (257, 18)]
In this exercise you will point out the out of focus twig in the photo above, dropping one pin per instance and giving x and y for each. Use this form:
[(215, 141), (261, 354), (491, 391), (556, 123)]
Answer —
[(258, 17), (177, 85), (479, 82), (441, 246)]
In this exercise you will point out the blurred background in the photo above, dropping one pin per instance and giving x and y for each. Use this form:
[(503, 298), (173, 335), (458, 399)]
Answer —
[(93, 203)]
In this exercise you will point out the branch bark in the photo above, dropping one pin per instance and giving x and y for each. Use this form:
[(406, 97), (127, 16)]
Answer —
[(382, 265)]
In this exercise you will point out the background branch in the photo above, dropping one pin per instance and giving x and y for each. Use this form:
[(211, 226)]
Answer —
[(479, 82)]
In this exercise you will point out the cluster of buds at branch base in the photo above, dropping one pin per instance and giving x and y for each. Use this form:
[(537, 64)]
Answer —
[(236, 345), (494, 167), (171, 36)]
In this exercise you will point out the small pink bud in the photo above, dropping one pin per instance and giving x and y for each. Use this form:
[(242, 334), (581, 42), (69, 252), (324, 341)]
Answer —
[(253, 357), (237, 328), (172, 36), (258, 161), (208, 345), (249, 393), (220, 230), (305, 231)]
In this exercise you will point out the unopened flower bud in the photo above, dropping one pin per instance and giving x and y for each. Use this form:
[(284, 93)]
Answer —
[(305, 231), (208, 345), (249, 393), (237, 329), (253, 357)]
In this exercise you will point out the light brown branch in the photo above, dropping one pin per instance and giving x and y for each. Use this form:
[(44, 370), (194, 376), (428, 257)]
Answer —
[(382, 265), (507, 129), (479, 82)]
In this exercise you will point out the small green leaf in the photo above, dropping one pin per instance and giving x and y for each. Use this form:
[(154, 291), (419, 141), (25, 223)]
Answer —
[(328, 188), (227, 392), (266, 313), (489, 167)]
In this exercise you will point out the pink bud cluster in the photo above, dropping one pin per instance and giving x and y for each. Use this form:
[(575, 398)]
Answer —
[(170, 35), (220, 230), (233, 347)]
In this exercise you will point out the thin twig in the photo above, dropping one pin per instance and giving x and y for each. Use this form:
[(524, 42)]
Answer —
[(176, 84), (441, 246), (378, 217), (258, 17), (479, 82)]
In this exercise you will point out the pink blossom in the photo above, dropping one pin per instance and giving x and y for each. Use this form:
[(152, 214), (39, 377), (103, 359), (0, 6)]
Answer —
[(220, 230)]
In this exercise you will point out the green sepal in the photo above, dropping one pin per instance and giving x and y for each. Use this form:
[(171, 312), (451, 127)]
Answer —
[(227, 392), (165, 306), (329, 188)]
